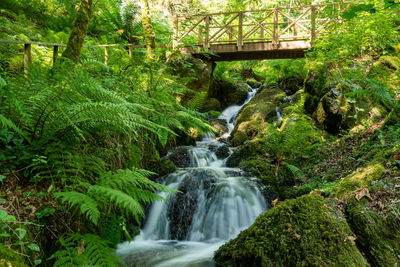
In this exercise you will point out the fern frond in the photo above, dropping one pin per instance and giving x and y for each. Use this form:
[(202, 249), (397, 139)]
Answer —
[(87, 205), (296, 172), (6, 123)]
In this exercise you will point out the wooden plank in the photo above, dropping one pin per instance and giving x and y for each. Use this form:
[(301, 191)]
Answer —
[(313, 33), (55, 54), (240, 33), (222, 28), (275, 40), (27, 57), (207, 34)]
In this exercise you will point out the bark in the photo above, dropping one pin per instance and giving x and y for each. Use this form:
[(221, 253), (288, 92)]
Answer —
[(149, 35), (79, 30)]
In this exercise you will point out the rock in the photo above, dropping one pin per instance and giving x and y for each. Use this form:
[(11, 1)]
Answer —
[(211, 104), (228, 93), (222, 152), (163, 167), (10, 258), (179, 156), (220, 126), (334, 109), (389, 64), (314, 88), (296, 232), (291, 85), (253, 83), (252, 149), (183, 205), (360, 178), (377, 234), (253, 117)]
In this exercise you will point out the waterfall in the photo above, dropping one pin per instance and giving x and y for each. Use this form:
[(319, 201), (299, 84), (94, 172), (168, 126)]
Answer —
[(215, 204)]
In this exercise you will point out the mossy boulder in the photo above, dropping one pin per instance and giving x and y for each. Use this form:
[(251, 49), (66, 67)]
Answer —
[(222, 152), (179, 156), (211, 104), (10, 258), (389, 64), (291, 85), (163, 167), (219, 126), (378, 235), (251, 150), (360, 178), (253, 117), (253, 83), (228, 93), (314, 88), (296, 232)]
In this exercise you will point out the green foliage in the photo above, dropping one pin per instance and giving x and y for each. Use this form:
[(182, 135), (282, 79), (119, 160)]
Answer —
[(85, 250)]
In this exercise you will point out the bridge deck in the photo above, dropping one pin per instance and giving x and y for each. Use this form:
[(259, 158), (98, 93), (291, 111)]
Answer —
[(251, 51), (255, 34)]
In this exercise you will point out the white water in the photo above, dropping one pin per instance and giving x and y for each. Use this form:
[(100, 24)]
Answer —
[(216, 204)]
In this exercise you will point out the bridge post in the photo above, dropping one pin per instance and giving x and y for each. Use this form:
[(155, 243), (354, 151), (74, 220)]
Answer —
[(207, 36), (275, 39), (240, 32), (27, 57), (176, 34), (313, 33), (105, 55), (55, 54)]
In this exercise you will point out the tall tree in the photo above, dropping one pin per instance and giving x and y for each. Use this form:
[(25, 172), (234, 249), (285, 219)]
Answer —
[(79, 30), (148, 31)]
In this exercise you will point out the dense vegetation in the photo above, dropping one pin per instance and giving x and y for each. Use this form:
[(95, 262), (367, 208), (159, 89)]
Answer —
[(81, 141)]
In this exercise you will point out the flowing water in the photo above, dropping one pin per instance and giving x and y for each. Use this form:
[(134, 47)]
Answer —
[(216, 203)]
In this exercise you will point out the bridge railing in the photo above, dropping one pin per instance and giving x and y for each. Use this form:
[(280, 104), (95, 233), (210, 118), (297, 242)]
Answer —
[(267, 25)]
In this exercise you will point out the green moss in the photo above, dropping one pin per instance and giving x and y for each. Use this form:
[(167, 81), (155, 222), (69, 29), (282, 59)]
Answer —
[(389, 64), (378, 235), (360, 178), (163, 167), (296, 232), (10, 258)]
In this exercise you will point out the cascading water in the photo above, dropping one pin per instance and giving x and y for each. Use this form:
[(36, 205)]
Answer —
[(216, 203)]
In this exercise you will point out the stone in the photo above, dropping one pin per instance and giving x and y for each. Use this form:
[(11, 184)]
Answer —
[(222, 152), (179, 156), (220, 126), (296, 232), (211, 104), (228, 93)]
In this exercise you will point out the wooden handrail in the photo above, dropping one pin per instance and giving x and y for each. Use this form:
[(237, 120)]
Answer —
[(267, 25)]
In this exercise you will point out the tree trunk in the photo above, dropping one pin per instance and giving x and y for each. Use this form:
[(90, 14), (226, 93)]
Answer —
[(79, 30), (149, 35)]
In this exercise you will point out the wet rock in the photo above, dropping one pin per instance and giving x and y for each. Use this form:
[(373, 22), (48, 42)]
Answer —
[(253, 117), (220, 126), (211, 104), (229, 93), (314, 89), (291, 85), (253, 83), (179, 156), (296, 232), (222, 152), (162, 167), (183, 205)]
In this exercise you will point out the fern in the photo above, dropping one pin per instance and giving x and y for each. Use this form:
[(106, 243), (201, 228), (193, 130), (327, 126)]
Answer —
[(6, 123), (85, 250), (87, 205), (198, 101), (296, 172)]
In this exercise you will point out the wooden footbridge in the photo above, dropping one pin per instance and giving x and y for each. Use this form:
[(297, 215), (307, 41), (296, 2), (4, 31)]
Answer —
[(243, 35), (255, 34)]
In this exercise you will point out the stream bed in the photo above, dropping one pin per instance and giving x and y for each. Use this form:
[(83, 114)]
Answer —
[(216, 203)]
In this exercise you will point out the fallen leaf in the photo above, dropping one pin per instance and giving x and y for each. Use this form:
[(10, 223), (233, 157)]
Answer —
[(273, 203), (363, 192)]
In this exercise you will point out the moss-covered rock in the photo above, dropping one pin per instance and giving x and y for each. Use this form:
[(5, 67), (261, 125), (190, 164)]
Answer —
[(314, 88), (219, 126), (222, 152), (361, 178), (377, 234), (296, 232), (253, 83), (250, 150), (211, 104), (228, 93), (389, 64), (253, 117), (10, 258)]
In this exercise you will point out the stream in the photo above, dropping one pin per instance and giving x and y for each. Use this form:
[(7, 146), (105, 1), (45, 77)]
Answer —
[(216, 203)]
